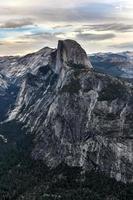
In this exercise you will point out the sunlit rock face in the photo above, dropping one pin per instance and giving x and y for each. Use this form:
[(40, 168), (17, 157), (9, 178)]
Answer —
[(78, 116), (13, 71), (70, 52)]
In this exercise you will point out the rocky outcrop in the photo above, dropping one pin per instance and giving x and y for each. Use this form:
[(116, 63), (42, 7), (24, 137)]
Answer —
[(69, 52), (13, 71), (78, 116)]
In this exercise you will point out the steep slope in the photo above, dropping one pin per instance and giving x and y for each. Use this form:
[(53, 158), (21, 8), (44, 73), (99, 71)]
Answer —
[(12, 72), (14, 67), (78, 116)]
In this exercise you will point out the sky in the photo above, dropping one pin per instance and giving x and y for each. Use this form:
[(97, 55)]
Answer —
[(98, 25)]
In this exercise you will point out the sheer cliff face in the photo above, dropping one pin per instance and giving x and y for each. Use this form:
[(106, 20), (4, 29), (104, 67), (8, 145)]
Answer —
[(70, 52), (78, 116)]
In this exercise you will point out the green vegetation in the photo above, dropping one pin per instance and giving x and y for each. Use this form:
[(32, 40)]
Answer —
[(22, 178), (75, 66), (18, 172), (112, 91), (73, 87)]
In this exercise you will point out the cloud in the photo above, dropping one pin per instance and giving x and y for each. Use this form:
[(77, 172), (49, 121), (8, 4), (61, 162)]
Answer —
[(40, 35), (40, 39), (57, 35), (77, 13), (43, 22), (126, 45), (97, 37), (48, 3), (62, 26), (16, 23), (118, 27)]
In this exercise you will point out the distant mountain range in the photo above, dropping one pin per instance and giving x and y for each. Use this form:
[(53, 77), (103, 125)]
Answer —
[(115, 64)]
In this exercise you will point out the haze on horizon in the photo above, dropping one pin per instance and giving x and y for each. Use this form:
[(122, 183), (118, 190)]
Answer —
[(98, 25)]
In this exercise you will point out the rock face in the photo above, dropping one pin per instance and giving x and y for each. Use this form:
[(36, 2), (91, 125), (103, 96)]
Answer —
[(12, 72), (70, 52), (78, 116)]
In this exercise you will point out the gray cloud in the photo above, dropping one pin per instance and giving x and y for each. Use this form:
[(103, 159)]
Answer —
[(62, 26), (126, 45), (90, 11), (16, 23), (118, 27), (96, 37), (79, 36), (40, 36), (100, 16), (71, 15)]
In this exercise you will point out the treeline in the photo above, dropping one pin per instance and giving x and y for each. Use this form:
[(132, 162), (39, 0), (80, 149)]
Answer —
[(22, 178)]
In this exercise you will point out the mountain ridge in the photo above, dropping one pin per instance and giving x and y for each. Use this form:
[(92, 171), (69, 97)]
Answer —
[(78, 116)]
